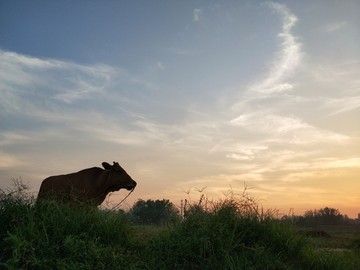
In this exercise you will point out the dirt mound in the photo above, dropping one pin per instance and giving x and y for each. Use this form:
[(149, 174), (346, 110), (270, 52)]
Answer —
[(316, 233)]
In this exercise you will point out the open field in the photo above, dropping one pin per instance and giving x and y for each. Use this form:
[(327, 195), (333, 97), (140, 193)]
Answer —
[(342, 238)]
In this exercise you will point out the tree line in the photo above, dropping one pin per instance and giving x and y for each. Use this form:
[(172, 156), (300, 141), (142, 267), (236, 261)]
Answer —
[(322, 216), (160, 212)]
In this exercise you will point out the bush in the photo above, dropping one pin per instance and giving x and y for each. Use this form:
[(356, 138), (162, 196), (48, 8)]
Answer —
[(228, 236), (150, 212)]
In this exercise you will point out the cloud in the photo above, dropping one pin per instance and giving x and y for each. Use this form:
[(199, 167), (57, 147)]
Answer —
[(9, 161), (338, 86), (275, 178), (341, 105), (50, 88), (284, 128), (331, 163), (239, 157), (52, 104), (287, 59), (335, 26), (269, 123), (198, 15), (111, 132), (13, 59), (62, 101), (87, 83), (11, 138), (30, 83), (51, 109), (289, 19), (241, 151), (160, 65), (278, 122)]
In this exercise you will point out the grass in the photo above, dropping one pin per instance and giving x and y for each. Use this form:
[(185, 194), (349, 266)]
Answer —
[(230, 234), (52, 236), (341, 247)]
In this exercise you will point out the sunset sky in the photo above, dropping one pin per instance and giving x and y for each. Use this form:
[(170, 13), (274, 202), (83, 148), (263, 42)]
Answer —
[(186, 95)]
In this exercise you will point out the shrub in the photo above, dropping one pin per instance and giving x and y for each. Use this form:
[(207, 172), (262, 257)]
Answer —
[(231, 234), (153, 212)]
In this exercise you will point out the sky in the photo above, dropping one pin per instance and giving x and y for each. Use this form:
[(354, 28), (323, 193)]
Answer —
[(189, 97)]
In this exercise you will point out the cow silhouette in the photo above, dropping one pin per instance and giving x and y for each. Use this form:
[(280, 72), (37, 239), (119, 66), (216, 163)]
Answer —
[(88, 186)]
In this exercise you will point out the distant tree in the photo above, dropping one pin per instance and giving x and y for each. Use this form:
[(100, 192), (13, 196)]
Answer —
[(330, 216), (153, 212), (323, 216)]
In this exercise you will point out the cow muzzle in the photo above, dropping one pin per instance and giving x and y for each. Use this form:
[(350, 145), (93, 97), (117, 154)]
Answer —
[(131, 186)]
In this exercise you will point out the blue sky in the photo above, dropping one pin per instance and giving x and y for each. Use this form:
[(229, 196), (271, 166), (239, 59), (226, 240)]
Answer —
[(186, 95)]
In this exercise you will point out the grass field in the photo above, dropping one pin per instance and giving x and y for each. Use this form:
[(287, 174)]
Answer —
[(232, 234), (343, 238)]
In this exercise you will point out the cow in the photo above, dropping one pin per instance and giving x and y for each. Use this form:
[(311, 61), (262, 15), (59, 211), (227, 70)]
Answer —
[(88, 186)]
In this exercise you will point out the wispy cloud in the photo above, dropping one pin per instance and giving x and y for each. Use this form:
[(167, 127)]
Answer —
[(11, 138), (67, 98), (287, 59), (27, 81), (111, 132), (340, 77), (335, 26), (9, 161), (341, 105), (277, 178), (286, 128), (289, 144), (198, 15), (33, 85), (160, 65), (326, 163)]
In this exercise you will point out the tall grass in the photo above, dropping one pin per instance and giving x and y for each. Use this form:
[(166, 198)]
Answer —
[(230, 234), (233, 233), (47, 235)]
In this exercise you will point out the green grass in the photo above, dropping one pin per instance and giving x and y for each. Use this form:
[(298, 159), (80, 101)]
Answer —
[(52, 236), (341, 249), (230, 234)]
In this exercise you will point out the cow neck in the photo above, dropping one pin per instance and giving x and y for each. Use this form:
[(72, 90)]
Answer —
[(103, 183), (108, 177)]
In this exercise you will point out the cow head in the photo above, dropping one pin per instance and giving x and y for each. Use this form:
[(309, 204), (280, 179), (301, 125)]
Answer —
[(118, 177)]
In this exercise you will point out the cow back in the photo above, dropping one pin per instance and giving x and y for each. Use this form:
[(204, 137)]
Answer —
[(88, 186)]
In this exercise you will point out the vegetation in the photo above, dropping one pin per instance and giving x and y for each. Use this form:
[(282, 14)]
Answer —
[(154, 212), (52, 236), (230, 234), (323, 216)]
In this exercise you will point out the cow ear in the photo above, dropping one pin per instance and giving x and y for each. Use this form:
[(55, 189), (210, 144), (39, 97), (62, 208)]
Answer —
[(117, 166), (106, 166)]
